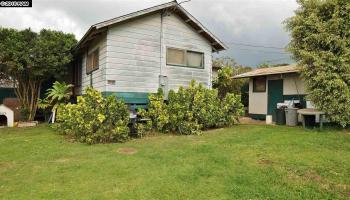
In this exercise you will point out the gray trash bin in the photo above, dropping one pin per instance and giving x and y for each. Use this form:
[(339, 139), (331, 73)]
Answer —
[(291, 116)]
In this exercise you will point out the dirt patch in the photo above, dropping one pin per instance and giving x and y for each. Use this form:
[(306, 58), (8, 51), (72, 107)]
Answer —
[(312, 176), (127, 151), (199, 142), (62, 160), (305, 177), (264, 161), (6, 165), (250, 121)]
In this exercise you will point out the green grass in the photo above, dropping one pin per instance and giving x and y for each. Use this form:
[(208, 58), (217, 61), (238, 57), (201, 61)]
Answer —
[(243, 162)]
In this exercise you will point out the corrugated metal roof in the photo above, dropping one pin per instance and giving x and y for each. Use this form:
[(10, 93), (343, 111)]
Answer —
[(269, 71)]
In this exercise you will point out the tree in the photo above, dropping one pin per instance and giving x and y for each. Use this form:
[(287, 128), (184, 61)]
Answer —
[(30, 58), (224, 82), (321, 45)]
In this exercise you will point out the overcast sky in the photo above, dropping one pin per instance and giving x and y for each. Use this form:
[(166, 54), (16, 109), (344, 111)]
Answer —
[(255, 22)]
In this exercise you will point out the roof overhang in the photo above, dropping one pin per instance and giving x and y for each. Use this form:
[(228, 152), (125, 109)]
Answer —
[(269, 71), (97, 29)]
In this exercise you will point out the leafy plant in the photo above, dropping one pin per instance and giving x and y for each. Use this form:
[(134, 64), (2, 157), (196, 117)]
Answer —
[(224, 82), (321, 45), (191, 110), (95, 119), (59, 93)]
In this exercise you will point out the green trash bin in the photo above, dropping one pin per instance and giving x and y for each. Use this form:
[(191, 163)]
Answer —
[(280, 116)]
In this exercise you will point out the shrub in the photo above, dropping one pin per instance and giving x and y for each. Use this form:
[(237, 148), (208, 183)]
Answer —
[(95, 119), (320, 43), (232, 109), (191, 110)]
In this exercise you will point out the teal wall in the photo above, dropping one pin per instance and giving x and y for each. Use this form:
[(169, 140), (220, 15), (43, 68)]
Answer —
[(134, 99), (274, 96), (257, 116), (129, 97), (6, 93)]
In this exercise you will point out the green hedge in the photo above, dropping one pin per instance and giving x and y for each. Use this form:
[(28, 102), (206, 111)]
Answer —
[(95, 119), (191, 110)]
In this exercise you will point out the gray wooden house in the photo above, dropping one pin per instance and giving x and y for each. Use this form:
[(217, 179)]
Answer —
[(135, 54)]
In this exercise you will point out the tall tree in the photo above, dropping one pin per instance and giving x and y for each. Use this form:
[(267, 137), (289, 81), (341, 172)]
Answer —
[(224, 82), (320, 43), (30, 58)]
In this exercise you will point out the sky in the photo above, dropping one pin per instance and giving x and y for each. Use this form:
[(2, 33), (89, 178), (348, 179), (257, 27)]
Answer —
[(240, 24)]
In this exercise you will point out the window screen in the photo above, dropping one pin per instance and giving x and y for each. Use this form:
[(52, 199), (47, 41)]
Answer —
[(194, 59), (185, 58), (259, 84), (175, 56)]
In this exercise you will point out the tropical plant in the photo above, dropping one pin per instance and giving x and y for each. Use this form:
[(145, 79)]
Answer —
[(60, 92), (30, 58), (56, 95), (321, 45), (94, 119)]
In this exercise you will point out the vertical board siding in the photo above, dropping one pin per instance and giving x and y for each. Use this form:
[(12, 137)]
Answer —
[(178, 34), (133, 51), (98, 76)]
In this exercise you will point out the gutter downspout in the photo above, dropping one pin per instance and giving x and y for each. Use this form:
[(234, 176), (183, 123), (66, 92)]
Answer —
[(163, 79), (161, 42)]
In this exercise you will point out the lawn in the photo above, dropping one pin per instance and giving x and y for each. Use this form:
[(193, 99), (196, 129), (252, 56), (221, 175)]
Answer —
[(243, 162)]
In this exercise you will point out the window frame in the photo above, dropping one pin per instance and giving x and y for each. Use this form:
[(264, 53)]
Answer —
[(167, 56), (255, 86), (185, 58), (95, 55)]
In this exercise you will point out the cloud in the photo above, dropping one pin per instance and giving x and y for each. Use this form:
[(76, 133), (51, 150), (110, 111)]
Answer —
[(256, 22)]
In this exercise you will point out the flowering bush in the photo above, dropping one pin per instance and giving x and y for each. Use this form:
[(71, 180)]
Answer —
[(95, 119), (191, 110)]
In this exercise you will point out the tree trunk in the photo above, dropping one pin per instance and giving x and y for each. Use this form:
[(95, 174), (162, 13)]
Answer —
[(28, 91), (53, 116)]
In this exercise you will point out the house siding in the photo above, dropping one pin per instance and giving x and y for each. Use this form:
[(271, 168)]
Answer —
[(133, 56), (97, 76), (257, 100), (178, 34)]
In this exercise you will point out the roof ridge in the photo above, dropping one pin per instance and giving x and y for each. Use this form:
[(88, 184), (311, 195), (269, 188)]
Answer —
[(149, 8), (216, 44)]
